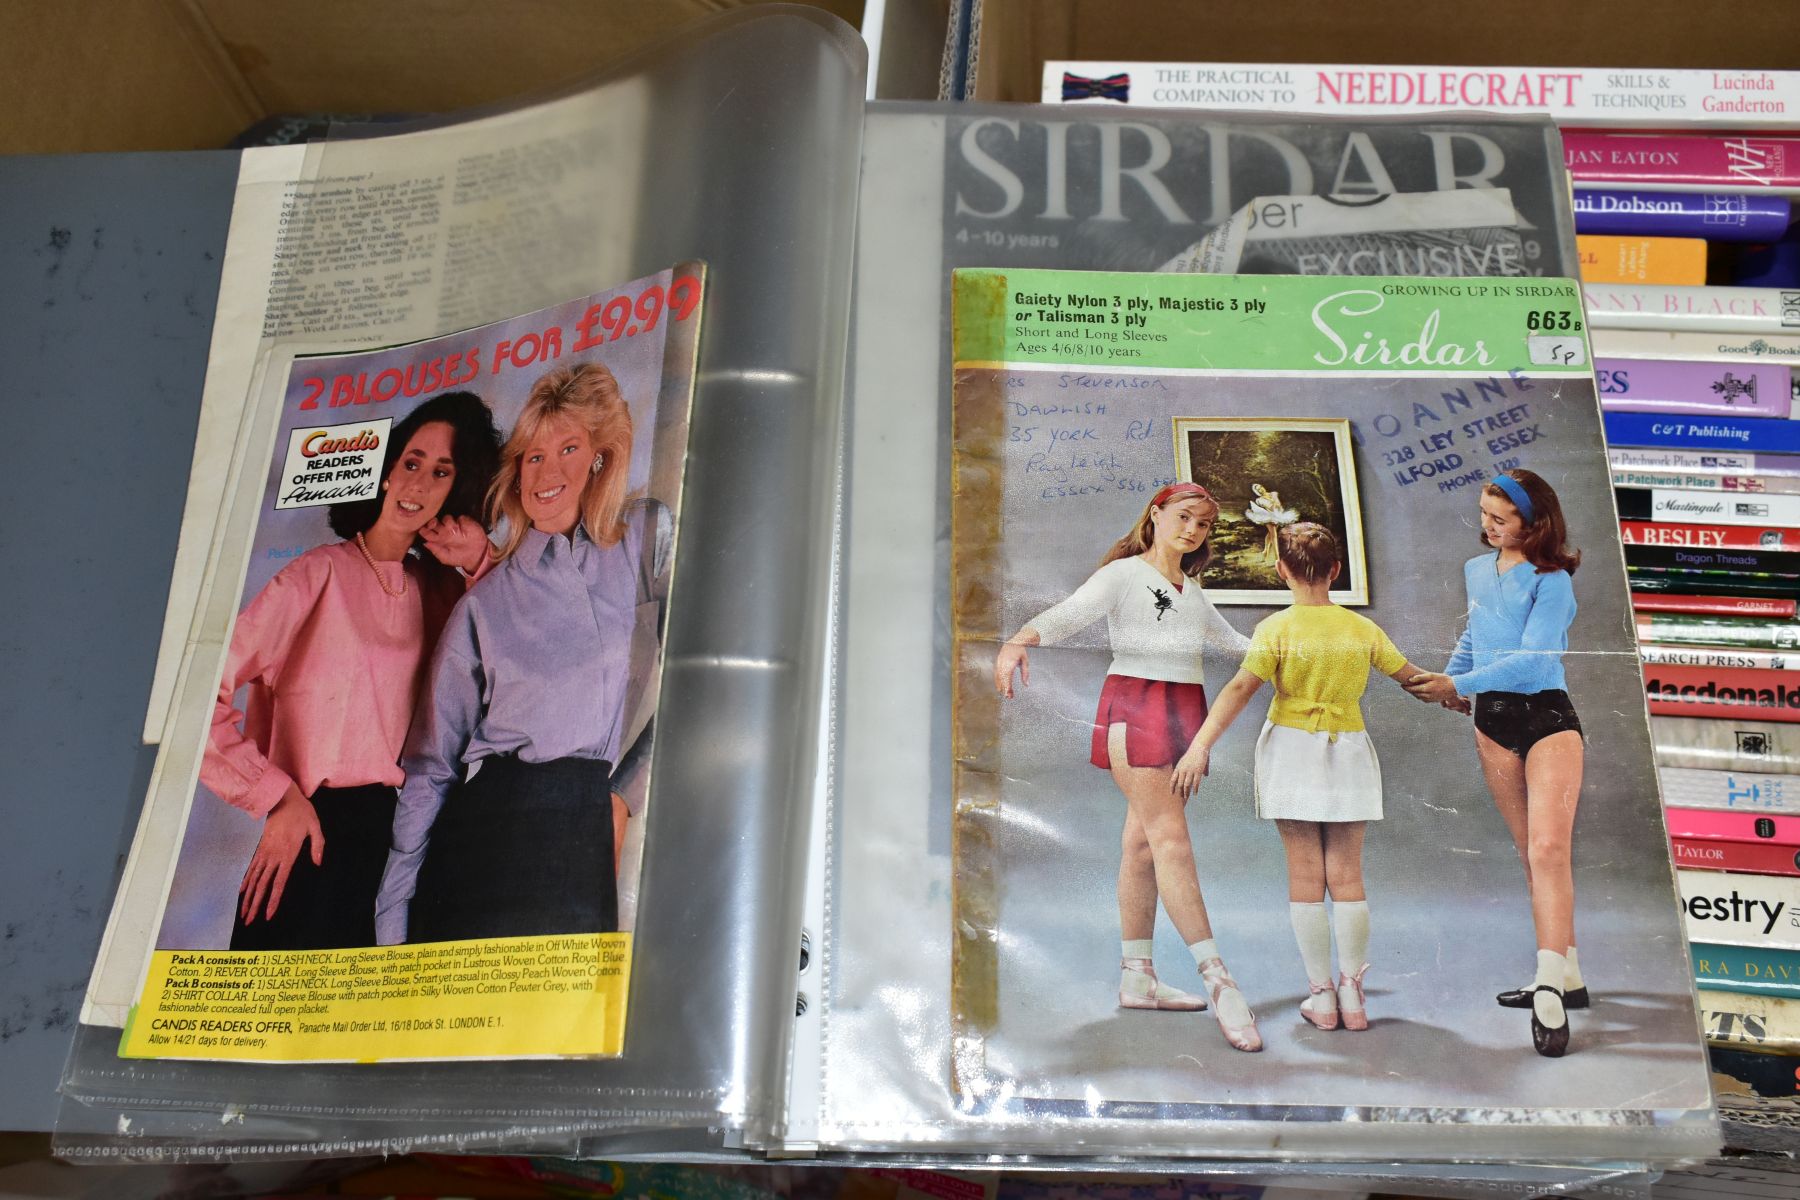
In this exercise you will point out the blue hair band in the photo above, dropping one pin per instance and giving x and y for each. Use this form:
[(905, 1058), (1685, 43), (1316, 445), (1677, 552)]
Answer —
[(1515, 492)]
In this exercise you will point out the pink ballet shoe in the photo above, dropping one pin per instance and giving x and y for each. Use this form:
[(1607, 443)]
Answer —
[(1351, 1004), (1241, 1033), (1321, 1018), (1140, 988)]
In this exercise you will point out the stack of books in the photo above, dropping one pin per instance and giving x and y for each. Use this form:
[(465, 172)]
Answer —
[(1685, 210), (1696, 374)]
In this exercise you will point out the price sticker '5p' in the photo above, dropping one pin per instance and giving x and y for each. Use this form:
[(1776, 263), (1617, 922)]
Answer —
[(1549, 350)]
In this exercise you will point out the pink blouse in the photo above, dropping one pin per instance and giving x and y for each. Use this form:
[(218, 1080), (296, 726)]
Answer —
[(334, 666)]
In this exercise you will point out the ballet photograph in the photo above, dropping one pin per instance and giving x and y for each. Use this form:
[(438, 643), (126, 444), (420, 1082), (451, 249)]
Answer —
[(1285, 778)]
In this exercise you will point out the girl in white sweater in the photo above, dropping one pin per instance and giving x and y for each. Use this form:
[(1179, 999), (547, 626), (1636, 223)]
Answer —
[(1152, 704)]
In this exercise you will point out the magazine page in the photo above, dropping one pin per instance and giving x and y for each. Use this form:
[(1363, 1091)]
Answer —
[(987, 185), (747, 648), (1292, 789), (421, 788), (368, 243)]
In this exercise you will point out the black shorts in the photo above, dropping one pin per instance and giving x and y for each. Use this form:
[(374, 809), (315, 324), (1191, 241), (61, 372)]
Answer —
[(1520, 720)]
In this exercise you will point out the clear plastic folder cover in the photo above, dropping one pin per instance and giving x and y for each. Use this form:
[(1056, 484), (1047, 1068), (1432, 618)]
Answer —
[(736, 147), (1047, 1065)]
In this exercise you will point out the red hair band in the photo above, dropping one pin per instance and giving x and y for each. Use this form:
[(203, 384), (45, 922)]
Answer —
[(1180, 489)]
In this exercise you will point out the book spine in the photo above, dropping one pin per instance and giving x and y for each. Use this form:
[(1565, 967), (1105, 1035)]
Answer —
[(1638, 477), (1646, 598), (1709, 537), (1689, 629), (1665, 385), (1758, 911), (1675, 262), (1745, 969), (1698, 309), (1699, 692), (1729, 791), (1735, 346), (1731, 99), (1751, 747), (1771, 1076), (1715, 216), (1706, 656), (1749, 163), (1707, 824), (1699, 462), (1710, 508), (1744, 858), (1746, 1021), (1655, 587), (1701, 433)]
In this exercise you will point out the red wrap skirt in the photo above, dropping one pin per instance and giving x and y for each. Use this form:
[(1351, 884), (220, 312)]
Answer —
[(1160, 719)]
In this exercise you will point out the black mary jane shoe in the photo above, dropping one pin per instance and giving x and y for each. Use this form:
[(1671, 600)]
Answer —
[(1551, 1043), (1521, 998)]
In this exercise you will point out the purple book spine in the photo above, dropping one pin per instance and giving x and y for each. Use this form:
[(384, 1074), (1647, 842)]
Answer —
[(1722, 217), (1698, 388)]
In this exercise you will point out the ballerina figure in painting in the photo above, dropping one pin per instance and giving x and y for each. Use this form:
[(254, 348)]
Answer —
[(1266, 510)]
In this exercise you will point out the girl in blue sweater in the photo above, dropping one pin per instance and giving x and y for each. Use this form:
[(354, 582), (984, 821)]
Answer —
[(1508, 667)]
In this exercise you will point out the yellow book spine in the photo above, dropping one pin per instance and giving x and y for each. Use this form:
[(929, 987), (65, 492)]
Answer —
[(1668, 262)]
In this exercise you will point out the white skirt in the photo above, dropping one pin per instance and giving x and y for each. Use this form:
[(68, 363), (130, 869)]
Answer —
[(1303, 776)]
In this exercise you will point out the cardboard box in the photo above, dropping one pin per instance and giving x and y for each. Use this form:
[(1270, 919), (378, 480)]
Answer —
[(81, 75)]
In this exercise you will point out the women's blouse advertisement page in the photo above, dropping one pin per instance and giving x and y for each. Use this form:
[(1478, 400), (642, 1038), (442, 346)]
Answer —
[(1294, 779), (416, 813)]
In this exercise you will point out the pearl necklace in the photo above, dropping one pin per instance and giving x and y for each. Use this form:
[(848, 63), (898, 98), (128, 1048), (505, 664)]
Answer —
[(379, 577)]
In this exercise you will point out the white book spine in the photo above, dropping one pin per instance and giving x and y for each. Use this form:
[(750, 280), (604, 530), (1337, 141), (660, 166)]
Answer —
[(1704, 462), (1688, 787), (1697, 345), (1656, 654), (1725, 508), (1765, 1023), (1741, 910), (1694, 309), (1573, 95), (1735, 485)]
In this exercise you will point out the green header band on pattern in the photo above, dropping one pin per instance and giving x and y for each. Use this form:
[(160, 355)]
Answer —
[(1284, 323)]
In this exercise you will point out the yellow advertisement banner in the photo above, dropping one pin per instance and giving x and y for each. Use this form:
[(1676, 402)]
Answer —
[(561, 994)]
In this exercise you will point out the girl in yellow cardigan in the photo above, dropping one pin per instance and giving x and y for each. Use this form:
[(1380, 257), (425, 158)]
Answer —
[(1317, 776)]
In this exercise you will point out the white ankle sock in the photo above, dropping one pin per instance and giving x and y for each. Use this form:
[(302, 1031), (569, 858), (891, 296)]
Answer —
[(1202, 951), (1551, 973), (1230, 1006), (1350, 919), (1572, 975), (1313, 932), (1137, 948)]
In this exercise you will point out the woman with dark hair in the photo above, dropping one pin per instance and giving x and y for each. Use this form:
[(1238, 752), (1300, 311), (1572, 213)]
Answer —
[(1153, 702), (1508, 667), (333, 651), (505, 825)]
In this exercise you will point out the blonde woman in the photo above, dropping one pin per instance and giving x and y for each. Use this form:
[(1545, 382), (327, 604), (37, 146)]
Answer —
[(504, 826)]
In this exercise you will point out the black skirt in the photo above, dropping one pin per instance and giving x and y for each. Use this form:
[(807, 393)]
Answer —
[(330, 906), (521, 849)]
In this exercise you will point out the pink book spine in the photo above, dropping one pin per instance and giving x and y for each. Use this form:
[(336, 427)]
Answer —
[(1747, 162), (1707, 824)]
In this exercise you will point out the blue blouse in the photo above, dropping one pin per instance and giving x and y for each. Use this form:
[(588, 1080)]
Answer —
[(1518, 629), (536, 661)]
